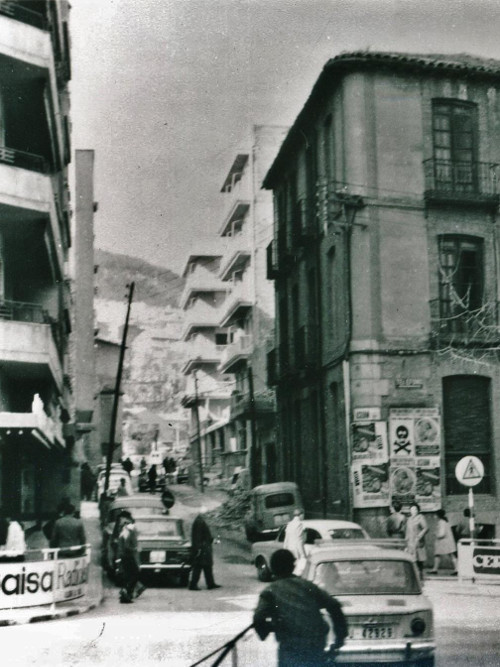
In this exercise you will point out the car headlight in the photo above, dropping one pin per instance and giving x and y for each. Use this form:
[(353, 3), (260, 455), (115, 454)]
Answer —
[(418, 626)]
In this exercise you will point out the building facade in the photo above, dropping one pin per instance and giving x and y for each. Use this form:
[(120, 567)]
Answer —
[(37, 466), (385, 261), (242, 318)]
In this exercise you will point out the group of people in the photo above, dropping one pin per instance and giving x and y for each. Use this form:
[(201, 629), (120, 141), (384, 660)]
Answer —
[(414, 529)]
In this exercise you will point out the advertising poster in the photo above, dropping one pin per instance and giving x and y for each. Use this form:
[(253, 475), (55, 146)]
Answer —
[(370, 484), (414, 446), (369, 441)]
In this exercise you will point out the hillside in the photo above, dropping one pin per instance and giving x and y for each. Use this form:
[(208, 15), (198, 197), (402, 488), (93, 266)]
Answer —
[(154, 285)]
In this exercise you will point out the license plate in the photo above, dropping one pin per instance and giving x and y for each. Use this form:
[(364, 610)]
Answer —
[(157, 557), (372, 632)]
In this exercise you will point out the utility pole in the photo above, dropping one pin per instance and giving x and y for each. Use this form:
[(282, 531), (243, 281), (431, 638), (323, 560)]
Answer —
[(114, 413), (253, 430), (198, 432)]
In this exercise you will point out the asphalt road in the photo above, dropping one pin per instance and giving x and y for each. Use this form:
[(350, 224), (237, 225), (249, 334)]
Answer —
[(173, 626)]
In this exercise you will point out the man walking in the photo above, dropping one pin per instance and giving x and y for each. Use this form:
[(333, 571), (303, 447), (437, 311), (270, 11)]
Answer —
[(68, 531), (291, 608), (128, 559), (201, 545)]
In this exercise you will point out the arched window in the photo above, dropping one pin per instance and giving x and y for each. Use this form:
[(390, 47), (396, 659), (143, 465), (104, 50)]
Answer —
[(467, 428)]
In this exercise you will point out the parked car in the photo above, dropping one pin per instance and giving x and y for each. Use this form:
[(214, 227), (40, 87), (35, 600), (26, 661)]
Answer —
[(389, 618), (322, 531), (163, 547), (271, 506), (137, 505), (115, 477)]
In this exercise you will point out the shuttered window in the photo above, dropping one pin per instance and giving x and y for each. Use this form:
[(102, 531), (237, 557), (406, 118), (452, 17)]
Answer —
[(467, 428)]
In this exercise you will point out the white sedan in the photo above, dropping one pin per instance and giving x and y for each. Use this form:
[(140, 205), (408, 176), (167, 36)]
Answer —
[(316, 531)]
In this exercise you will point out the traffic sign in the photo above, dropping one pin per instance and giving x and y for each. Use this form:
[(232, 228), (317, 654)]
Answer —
[(469, 470)]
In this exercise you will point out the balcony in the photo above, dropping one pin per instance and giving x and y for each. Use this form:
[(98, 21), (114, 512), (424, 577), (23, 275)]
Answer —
[(238, 303), (203, 354), (29, 347), (470, 183), (306, 348), (201, 316), (207, 387), (15, 11), (241, 405), (45, 429), (199, 280), (235, 356), (454, 326)]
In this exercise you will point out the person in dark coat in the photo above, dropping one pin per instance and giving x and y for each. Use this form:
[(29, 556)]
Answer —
[(87, 482), (152, 477), (128, 559), (68, 531), (201, 546), (127, 465), (291, 608)]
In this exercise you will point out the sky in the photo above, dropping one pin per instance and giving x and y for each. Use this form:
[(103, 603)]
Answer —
[(165, 92)]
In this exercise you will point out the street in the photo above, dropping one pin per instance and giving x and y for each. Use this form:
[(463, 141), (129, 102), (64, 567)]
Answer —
[(173, 626)]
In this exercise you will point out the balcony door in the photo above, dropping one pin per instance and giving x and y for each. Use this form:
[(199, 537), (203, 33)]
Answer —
[(454, 136)]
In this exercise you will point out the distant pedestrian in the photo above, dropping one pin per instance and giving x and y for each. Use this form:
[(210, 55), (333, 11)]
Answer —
[(128, 559), (14, 548), (127, 465), (68, 531), (416, 530), (396, 521), (201, 545), (462, 529), (152, 477), (295, 540), (291, 607), (87, 482), (121, 491), (444, 544)]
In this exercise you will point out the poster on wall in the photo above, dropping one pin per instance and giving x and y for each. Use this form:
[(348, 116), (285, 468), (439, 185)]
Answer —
[(370, 484), (414, 446), (369, 441)]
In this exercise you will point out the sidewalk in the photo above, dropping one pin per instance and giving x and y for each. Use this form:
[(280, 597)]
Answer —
[(94, 596)]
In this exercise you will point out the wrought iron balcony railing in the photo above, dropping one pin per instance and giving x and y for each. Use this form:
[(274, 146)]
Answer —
[(23, 160), (16, 11), (453, 179), (452, 324)]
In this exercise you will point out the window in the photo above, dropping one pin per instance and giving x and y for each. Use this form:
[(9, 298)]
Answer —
[(454, 136), (460, 280), (467, 428)]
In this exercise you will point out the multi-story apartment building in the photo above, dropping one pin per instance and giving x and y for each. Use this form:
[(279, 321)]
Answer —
[(386, 267), (239, 300), (37, 466)]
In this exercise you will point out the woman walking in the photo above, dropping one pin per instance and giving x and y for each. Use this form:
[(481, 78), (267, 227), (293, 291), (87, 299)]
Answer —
[(416, 530), (444, 544)]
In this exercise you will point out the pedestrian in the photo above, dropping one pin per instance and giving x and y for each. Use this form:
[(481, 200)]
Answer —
[(128, 559), (127, 465), (68, 531), (295, 539), (202, 552), (15, 544), (121, 491), (396, 521), (416, 530), (152, 476), (291, 607), (444, 544), (87, 481), (462, 529)]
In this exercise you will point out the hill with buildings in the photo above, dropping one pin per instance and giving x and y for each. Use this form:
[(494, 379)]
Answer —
[(152, 382)]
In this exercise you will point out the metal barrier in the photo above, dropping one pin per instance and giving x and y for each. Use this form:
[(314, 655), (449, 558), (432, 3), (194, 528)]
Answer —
[(479, 560), (43, 576)]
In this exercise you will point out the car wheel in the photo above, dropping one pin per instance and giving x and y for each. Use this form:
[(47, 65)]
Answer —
[(263, 571)]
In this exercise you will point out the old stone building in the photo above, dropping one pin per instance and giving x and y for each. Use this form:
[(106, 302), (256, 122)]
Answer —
[(386, 268)]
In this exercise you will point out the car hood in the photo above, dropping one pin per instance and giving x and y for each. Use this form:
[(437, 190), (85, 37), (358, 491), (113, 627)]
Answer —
[(383, 604)]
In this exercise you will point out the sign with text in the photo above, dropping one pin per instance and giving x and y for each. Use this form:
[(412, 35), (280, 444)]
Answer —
[(30, 584)]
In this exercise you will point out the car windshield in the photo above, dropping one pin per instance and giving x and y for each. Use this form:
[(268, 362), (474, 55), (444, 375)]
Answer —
[(366, 577), (160, 528), (346, 534), (279, 500)]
